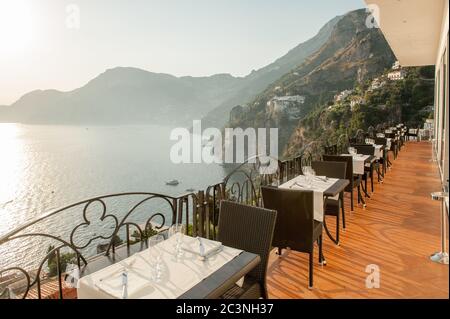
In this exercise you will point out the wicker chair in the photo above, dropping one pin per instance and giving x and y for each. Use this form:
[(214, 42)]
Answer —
[(355, 180), (414, 135), (295, 227), (384, 159), (251, 229), (333, 207), (368, 150)]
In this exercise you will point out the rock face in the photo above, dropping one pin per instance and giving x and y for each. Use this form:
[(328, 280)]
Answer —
[(257, 81), (353, 53), (236, 113)]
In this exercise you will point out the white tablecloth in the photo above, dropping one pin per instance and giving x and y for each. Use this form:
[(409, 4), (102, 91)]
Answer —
[(388, 143), (358, 163), (177, 277), (378, 152), (318, 187)]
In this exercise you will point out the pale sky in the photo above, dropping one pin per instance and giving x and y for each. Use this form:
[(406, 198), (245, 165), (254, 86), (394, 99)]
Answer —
[(181, 37)]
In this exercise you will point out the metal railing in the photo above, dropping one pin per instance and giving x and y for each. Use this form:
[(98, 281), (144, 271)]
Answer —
[(98, 226)]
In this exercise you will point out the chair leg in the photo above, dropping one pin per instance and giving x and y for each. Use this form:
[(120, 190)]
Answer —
[(319, 241), (311, 268), (359, 195), (343, 212), (371, 179), (337, 228), (351, 199)]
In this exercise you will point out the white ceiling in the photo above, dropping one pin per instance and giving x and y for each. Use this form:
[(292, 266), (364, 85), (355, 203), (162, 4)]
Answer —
[(412, 28)]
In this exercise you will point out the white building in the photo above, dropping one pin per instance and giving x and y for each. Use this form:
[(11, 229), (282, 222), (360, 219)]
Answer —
[(396, 75), (343, 95), (356, 101), (396, 66), (290, 105)]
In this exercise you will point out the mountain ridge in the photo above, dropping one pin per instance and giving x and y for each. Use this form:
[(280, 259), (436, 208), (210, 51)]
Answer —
[(170, 99), (353, 53)]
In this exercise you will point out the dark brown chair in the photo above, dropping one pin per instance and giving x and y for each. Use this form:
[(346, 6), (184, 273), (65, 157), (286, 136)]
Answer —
[(415, 134), (383, 161), (333, 207), (355, 180), (295, 227), (251, 229), (365, 149)]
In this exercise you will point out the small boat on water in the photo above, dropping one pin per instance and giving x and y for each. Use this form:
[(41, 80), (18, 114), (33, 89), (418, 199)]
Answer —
[(190, 190), (173, 182)]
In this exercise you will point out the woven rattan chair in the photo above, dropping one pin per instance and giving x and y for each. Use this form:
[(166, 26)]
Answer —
[(333, 207), (355, 180), (368, 150), (295, 227), (251, 229)]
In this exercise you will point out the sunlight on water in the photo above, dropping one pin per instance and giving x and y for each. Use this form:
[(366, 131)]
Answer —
[(13, 161), (44, 167)]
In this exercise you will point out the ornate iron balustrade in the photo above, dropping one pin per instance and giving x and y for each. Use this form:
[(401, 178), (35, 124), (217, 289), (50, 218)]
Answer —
[(98, 226), (102, 224)]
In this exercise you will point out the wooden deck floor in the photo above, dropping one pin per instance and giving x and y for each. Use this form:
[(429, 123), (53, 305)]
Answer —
[(397, 231)]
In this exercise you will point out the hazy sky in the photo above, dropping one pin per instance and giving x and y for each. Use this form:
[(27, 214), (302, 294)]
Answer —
[(42, 48)]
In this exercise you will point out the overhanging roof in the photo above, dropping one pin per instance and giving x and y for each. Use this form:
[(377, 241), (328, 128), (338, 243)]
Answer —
[(412, 28)]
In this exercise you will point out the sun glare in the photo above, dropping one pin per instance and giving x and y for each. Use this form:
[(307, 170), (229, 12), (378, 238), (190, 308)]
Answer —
[(16, 26)]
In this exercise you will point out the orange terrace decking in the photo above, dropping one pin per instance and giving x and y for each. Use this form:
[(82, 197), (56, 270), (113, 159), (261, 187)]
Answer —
[(397, 231)]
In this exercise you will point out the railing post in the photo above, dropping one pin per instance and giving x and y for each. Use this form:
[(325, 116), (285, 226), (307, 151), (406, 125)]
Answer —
[(201, 205), (58, 273)]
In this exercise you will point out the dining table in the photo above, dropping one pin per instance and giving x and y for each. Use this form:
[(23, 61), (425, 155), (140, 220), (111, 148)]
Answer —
[(360, 162), (187, 277)]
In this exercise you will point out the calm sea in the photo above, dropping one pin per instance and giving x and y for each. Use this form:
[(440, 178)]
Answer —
[(47, 167)]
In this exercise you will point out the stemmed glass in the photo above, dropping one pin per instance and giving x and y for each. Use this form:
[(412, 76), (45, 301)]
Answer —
[(156, 256), (352, 151), (177, 231), (308, 172)]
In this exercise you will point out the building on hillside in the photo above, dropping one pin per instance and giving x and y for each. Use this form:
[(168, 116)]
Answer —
[(396, 66), (342, 96), (288, 105), (376, 84), (396, 75), (357, 100)]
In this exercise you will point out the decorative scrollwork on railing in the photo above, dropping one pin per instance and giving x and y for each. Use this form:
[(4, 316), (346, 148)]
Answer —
[(371, 132), (343, 143), (360, 136), (87, 223), (109, 217), (244, 182), (79, 229)]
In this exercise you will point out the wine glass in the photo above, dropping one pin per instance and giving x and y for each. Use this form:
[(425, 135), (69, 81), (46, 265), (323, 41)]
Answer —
[(312, 174), (156, 256), (177, 231), (352, 151)]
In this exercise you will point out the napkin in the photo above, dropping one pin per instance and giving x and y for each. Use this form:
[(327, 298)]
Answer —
[(201, 246), (111, 282)]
